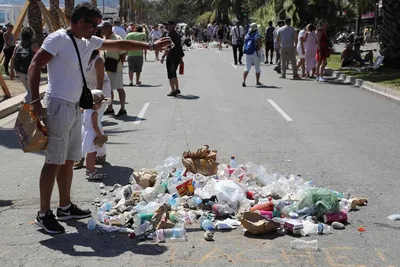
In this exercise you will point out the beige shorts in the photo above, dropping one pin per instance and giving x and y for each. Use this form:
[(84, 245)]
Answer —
[(116, 80), (64, 124)]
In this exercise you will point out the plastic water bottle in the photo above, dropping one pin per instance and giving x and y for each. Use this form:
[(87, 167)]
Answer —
[(173, 200), (142, 228), (106, 206), (194, 202), (206, 224), (171, 235), (299, 244), (91, 225), (233, 164)]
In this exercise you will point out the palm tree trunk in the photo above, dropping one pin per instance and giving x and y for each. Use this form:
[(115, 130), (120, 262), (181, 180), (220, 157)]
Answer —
[(54, 6), (69, 6), (35, 20), (390, 34)]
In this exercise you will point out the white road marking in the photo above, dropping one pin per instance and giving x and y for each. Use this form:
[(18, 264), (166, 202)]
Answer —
[(283, 113), (233, 65), (141, 113), (217, 51)]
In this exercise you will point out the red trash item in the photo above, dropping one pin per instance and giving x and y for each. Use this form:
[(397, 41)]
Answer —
[(269, 206), (181, 68)]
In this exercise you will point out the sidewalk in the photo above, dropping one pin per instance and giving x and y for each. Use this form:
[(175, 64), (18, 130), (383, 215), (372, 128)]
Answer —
[(370, 86), (11, 105)]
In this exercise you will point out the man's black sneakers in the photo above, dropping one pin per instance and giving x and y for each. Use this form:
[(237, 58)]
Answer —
[(49, 223), (121, 112), (72, 212)]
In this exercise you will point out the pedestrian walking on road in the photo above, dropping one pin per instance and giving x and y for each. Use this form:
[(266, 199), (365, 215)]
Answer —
[(323, 51), (237, 34), (113, 62), (135, 58), (310, 45), (269, 42), (155, 35), (67, 53), (252, 49), (287, 41), (174, 57)]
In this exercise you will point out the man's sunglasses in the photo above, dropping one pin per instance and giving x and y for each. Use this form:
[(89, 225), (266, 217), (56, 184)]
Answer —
[(94, 24)]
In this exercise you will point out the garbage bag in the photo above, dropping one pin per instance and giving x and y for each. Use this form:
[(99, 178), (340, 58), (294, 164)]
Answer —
[(229, 192), (325, 200), (202, 161)]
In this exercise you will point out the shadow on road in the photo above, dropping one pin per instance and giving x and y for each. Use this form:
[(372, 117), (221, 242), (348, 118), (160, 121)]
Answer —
[(127, 118), (86, 243), (5, 203), (108, 123), (269, 236), (143, 85), (188, 97), (116, 174), (266, 86), (8, 139)]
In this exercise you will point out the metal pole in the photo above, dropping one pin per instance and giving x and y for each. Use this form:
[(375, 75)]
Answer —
[(103, 7)]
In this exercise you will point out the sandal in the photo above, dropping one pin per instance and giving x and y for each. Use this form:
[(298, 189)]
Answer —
[(79, 164), (94, 176), (100, 160)]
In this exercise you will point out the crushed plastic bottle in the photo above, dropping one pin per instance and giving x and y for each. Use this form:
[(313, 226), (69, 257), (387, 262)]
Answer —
[(299, 244), (194, 202), (91, 225), (106, 206), (310, 228), (171, 235), (142, 228), (206, 224)]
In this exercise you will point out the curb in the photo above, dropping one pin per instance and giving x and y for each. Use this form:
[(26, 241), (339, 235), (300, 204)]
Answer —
[(11, 105), (370, 86)]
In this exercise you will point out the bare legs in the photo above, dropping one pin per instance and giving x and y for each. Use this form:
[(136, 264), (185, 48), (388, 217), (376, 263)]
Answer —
[(48, 175)]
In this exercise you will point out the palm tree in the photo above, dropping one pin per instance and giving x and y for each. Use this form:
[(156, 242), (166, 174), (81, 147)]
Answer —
[(69, 6), (390, 34), (54, 6), (35, 20)]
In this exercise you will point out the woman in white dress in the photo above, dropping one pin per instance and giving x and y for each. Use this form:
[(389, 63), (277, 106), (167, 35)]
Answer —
[(301, 51), (310, 44), (96, 77), (93, 131)]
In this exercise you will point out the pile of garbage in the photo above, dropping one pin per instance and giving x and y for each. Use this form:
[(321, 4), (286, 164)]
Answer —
[(195, 189)]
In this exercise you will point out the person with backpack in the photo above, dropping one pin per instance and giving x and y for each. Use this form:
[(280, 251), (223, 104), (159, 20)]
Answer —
[(22, 57), (252, 47)]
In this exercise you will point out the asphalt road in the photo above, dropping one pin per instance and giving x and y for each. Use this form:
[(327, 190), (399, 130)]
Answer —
[(341, 137)]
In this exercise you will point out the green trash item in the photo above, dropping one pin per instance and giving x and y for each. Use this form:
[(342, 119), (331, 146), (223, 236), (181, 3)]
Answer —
[(323, 198)]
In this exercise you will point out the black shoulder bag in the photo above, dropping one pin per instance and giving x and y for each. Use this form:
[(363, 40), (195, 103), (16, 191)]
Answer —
[(111, 64), (86, 100)]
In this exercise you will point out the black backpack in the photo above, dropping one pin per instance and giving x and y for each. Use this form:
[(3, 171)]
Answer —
[(23, 57)]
